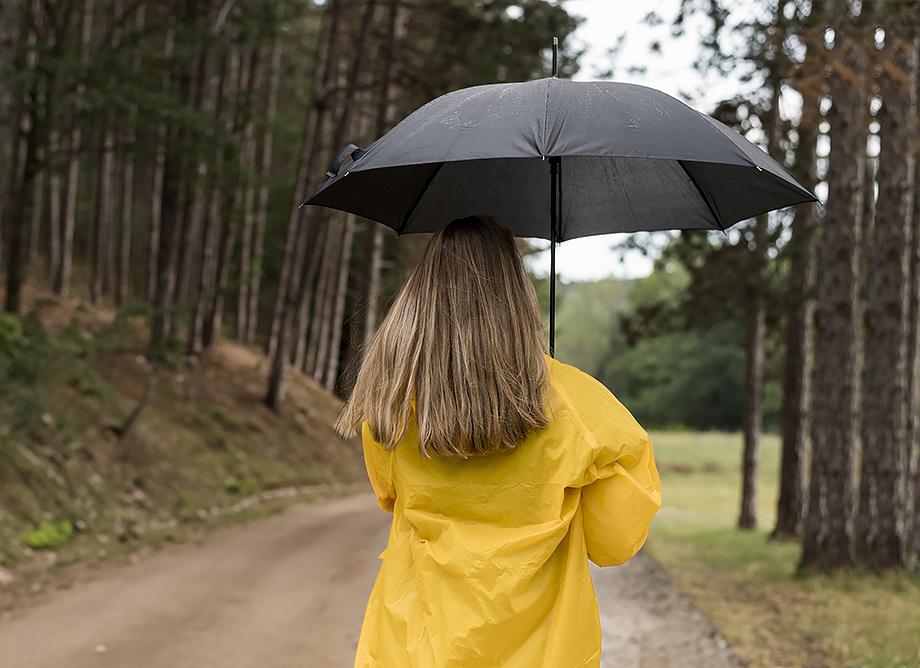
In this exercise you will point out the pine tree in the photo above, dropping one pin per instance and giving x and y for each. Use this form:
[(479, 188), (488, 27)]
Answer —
[(828, 527), (881, 519)]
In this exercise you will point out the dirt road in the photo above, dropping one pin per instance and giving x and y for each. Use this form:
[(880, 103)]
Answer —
[(290, 591)]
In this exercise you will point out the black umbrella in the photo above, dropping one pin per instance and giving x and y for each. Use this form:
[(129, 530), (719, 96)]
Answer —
[(558, 159)]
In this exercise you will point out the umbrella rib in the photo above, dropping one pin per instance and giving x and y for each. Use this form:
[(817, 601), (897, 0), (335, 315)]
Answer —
[(421, 194), (703, 196)]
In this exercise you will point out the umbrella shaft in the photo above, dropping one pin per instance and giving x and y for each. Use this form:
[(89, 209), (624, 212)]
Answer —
[(553, 206)]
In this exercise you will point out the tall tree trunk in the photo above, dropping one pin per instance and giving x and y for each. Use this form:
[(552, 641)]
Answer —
[(174, 204), (368, 303), (314, 231), (209, 76), (12, 231), (9, 23), (157, 191), (828, 527), (105, 216), (239, 81), (913, 391), (38, 104), (247, 160), (127, 200), (880, 523), (38, 200), (790, 507), (338, 313), (293, 297), (26, 143), (757, 288), (53, 195), (262, 211), (53, 192), (310, 156), (328, 305), (201, 282), (325, 287), (62, 281), (754, 354), (319, 343)]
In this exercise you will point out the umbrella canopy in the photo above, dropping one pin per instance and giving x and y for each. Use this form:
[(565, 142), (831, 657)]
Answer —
[(629, 158)]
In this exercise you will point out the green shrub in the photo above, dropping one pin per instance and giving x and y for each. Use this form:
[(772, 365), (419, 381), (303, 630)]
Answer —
[(47, 535), (11, 338), (12, 343), (233, 485)]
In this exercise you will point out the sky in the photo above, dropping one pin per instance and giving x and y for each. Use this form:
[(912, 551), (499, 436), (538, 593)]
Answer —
[(605, 21)]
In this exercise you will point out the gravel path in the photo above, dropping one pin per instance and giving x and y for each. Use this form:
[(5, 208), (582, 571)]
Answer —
[(290, 591)]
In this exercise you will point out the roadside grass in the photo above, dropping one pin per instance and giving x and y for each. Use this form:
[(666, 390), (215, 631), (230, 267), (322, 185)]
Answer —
[(748, 585)]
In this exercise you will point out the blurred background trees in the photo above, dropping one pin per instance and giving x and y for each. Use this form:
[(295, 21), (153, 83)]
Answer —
[(154, 155), (835, 286)]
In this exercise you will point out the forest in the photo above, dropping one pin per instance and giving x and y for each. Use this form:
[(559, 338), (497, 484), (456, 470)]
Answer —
[(154, 153)]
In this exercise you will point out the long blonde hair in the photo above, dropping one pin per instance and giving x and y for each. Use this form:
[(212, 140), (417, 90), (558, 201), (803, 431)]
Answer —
[(461, 350)]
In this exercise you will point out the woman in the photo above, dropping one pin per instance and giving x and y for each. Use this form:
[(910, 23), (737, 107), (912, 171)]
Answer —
[(505, 471)]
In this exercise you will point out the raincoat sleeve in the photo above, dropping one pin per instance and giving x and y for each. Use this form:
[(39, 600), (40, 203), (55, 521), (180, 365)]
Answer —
[(622, 491), (377, 460)]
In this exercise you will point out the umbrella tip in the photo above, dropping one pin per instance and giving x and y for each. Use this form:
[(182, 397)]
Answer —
[(555, 57)]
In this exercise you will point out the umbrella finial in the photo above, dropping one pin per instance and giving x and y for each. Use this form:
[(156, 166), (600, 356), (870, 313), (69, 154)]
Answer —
[(555, 57)]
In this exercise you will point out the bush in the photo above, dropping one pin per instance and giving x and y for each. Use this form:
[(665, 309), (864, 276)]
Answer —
[(48, 535), (12, 342), (693, 379)]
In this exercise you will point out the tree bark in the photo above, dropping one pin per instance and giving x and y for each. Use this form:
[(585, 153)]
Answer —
[(323, 350), (8, 35), (53, 195), (790, 507), (754, 353), (127, 200), (12, 231), (201, 281), (319, 337), (828, 527), (26, 143), (276, 385), (756, 288), (239, 81), (105, 208), (913, 391), (262, 211), (157, 191), (880, 539), (368, 303), (62, 281), (175, 183), (797, 372), (247, 160), (293, 297), (338, 314), (38, 201), (188, 279), (310, 155), (322, 297)]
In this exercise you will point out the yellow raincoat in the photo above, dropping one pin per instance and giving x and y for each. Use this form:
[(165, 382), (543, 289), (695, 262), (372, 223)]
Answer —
[(487, 561)]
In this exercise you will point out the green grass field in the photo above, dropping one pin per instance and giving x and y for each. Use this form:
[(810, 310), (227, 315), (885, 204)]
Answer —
[(748, 585)]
